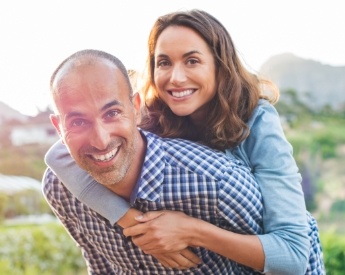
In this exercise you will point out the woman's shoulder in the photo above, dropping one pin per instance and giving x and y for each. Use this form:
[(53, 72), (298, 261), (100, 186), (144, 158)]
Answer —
[(263, 113), (265, 106)]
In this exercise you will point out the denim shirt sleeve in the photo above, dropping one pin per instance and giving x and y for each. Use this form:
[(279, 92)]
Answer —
[(83, 186), (269, 155)]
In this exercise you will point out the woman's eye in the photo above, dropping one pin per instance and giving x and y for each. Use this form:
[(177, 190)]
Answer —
[(192, 61), (163, 63)]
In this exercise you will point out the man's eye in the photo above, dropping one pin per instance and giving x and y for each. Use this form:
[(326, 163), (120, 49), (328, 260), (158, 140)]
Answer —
[(78, 123), (112, 114)]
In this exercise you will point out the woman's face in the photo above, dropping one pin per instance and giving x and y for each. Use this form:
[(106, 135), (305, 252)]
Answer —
[(185, 73)]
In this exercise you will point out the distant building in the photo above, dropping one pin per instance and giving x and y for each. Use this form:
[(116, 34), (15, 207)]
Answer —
[(35, 130), (43, 133)]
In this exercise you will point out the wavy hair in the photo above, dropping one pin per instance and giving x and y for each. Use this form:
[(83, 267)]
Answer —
[(238, 90)]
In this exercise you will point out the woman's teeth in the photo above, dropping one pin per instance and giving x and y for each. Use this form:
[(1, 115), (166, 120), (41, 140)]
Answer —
[(182, 94)]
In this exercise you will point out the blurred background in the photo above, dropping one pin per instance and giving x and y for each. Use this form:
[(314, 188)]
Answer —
[(297, 44)]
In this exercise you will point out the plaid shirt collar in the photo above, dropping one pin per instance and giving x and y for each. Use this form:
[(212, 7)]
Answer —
[(149, 185)]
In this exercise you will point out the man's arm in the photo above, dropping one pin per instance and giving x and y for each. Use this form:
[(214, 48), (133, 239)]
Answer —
[(54, 194)]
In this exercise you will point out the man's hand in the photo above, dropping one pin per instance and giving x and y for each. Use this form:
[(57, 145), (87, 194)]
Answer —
[(181, 260)]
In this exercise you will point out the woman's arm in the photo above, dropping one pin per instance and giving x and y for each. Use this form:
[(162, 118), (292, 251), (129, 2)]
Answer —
[(171, 231), (237, 207), (269, 154)]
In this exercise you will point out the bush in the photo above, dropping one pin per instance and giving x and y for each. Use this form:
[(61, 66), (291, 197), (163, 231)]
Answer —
[(338, 206), (325, 144), (39, 249), (333, 252), (3, 203)]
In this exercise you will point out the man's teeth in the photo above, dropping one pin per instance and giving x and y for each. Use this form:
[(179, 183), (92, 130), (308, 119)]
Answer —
[(105, 157), (182, 94)]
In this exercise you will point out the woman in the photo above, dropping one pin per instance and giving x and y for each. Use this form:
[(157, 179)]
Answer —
[(198, 89)]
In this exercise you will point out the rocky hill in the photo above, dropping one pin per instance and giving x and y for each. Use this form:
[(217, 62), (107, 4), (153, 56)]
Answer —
[(316, 84)]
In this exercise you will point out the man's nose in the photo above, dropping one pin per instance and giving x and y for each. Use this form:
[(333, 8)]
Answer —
[(100, 137)]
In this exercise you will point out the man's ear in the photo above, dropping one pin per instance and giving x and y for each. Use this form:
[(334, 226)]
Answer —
[(136, 101), (55, 120)]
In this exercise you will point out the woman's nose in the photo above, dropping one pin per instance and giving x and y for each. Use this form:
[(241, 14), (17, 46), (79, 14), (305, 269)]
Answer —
[(177, 75)]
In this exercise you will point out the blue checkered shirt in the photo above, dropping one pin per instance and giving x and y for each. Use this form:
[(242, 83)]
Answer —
[(176, 175)]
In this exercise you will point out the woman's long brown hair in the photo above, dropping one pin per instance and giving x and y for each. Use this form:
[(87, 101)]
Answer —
[(238, 90)]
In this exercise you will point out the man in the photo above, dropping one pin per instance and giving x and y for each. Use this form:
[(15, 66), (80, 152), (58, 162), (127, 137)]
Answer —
[(96, 116)]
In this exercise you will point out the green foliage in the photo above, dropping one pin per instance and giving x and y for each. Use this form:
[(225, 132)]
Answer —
[(23, 161), (318, 141), (24, 202), (39, 249), (322, 139), (333, 252), (338, 206), (3, 204), (325, 145), (292, 108)]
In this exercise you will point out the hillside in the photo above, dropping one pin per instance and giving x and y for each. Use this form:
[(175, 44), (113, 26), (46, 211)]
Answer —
[(317, 84)]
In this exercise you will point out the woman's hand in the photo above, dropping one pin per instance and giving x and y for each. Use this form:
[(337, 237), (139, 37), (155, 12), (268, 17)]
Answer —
[(160, 232), (164, 235)]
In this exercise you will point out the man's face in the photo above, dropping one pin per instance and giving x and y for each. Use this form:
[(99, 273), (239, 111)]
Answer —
[(97, 120)]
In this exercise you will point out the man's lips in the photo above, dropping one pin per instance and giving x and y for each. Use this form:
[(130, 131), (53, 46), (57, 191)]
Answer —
[(104, 157)]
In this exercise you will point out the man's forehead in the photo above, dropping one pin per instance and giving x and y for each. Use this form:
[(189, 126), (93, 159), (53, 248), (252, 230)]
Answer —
[(77, 64)]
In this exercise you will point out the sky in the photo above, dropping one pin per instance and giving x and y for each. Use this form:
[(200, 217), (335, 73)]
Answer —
[(36, 35)]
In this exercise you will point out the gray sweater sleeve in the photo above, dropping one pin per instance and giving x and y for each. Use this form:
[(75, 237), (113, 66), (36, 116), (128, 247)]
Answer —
[(83, 186)]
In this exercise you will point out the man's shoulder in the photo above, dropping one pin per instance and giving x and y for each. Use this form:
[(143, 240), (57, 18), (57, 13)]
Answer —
[(48, 177), (192, 156), (50, 182), (183, 148)]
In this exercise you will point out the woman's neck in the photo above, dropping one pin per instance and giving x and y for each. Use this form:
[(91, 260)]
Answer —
[(198, 118)]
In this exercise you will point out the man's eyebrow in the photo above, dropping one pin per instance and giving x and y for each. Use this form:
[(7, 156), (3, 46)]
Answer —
[(111, 104), (73, 114), (105, 107)]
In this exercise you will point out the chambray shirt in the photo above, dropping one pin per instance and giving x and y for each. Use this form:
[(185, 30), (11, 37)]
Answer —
[(289, 229), (176, 175)]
